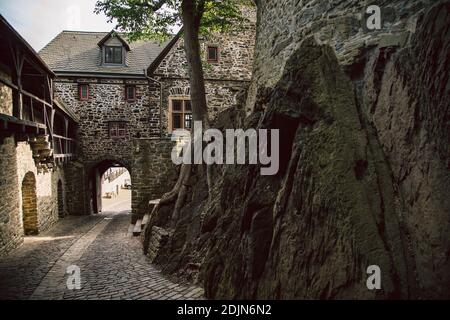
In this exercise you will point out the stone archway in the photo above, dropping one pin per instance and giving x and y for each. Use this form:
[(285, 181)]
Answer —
[(60, 193), (29, 205), (95, 174)]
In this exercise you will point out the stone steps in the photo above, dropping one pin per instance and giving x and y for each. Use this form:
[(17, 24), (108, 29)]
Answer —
[(137, 228), (145, 220), (130, 230), (152, 204)]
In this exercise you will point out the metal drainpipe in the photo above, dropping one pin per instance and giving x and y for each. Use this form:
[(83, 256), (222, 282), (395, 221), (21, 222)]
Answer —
[(160, 100)]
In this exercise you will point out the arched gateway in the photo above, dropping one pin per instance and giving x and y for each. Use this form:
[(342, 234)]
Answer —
[(95, 181)]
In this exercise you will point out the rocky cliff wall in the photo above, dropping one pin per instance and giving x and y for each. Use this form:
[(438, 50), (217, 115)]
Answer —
[(364, 171)]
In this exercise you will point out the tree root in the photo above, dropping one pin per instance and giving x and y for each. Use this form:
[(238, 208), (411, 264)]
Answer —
[(178, 193)]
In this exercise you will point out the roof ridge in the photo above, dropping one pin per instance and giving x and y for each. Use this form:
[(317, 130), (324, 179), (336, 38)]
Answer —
[(81, 31), (106, 32)]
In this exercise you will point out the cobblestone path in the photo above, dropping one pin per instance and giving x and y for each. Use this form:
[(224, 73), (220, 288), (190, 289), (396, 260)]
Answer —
[(111, 263)]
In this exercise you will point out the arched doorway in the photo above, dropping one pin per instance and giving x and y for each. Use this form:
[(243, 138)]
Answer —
[(60, 199), (110, 187), (29, 205)]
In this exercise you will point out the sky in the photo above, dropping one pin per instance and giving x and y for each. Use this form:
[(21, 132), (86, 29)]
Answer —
[(39, 21)]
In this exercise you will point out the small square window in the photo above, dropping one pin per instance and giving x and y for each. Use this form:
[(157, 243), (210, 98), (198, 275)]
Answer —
[(117, 130), (83, 92), (130, 93), (213, 54)]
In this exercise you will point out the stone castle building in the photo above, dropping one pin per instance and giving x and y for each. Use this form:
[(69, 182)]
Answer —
[(118, 102), (130, 96)]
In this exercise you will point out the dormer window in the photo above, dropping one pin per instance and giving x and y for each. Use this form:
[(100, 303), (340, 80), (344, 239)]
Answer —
[(113, 49), (113, 55)]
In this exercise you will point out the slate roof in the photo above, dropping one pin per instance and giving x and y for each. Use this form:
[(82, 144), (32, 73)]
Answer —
[(78, 52)]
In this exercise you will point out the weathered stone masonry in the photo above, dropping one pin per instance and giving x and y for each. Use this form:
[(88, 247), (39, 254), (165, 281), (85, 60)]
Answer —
[(107, 104), (152, 173), (18, 170)]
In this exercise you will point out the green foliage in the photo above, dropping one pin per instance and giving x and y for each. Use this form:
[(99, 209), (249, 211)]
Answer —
[(157, 19), (223, 16)]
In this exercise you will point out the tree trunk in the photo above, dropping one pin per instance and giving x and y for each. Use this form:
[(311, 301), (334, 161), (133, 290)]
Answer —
[(191, 15)]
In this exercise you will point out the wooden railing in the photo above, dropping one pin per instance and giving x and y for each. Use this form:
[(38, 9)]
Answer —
[(32, 114), (63, 145), (28, 110)]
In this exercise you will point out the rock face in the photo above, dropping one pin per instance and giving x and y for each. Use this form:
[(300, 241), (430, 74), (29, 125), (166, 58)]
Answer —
[(364, 164)]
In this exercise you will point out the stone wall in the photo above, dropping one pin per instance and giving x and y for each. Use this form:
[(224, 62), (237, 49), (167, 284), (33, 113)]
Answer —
[(107, 103), (220, 95), (95, 146), (46, 186), (153, 172), (6, 96), (76, 189), (236, 50), (19, 173), (10, 220)]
